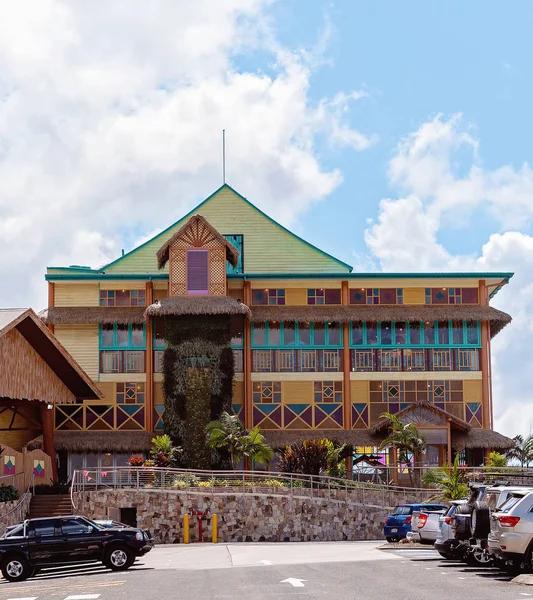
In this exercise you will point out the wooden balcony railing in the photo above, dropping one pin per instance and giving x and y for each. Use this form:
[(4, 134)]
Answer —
[(122, 361), (297, 361), (420, 359), (99, 417)]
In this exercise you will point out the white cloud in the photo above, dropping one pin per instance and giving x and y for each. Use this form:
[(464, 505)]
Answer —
[(404, 237), (111, 117)]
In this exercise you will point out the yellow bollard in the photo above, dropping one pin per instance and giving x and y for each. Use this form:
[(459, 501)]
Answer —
[(185, 529), (214, 528)]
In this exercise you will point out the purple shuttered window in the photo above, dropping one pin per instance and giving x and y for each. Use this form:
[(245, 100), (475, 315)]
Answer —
[(197, 271)]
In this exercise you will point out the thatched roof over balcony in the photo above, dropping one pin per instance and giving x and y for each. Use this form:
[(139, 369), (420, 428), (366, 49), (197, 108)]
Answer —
[(481, 438), (397, 312), (197, 305), (90, 315)]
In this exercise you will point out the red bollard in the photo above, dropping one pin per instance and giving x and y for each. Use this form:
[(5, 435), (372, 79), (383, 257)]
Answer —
[(200, 533)]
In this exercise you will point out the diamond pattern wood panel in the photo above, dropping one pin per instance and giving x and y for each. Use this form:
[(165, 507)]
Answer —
[(197, 236)]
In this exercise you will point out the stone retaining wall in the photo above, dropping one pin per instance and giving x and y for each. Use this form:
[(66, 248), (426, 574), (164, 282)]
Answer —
[(9, 516), (241, 518)]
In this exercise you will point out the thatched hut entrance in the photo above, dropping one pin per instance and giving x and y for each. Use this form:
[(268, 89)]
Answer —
[(37, 372)]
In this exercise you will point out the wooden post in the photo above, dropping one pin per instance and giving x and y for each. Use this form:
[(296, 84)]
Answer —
[(485, 358), (149, 362), (47, 420), (346, 367), (51, 301), (247, 358), (449, 441)]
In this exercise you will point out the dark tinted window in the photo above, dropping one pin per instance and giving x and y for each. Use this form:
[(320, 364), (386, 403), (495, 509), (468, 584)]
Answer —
[(44, 528), (74, 527), (511, 502)]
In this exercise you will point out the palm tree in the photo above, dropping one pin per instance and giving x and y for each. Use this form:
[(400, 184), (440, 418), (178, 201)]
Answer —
[(523, 450), (407, 440), (229, 433), (448, 480)]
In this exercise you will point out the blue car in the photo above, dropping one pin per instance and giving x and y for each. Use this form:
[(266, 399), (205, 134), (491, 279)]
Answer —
[(398, 524)]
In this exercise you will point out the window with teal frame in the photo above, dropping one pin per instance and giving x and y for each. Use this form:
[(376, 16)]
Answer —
[(120, 336), (237, 241), (296, 335), (447, 334)]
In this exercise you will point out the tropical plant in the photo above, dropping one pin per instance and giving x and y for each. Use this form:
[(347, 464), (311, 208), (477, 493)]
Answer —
[(449, 480), (523, 450), (163, 453), (407, 441), (136, 460), (228, 433), (314, 457), (496, 460)]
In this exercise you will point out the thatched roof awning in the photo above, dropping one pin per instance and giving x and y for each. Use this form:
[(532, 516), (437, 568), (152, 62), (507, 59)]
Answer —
[(401, 312), (74, 315), (481, 438), (103, 441), (199, 223), (197, 305), (457, 423), (357, 437)]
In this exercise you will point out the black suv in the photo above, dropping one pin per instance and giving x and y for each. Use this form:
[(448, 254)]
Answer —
[(37, 543)]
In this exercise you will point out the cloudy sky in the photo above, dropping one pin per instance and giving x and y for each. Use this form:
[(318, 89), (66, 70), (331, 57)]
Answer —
[(394, 136)]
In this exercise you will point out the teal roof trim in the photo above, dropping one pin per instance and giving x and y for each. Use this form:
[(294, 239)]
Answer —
[(102, 276), (195, 210), (75, 269), (96, 275)]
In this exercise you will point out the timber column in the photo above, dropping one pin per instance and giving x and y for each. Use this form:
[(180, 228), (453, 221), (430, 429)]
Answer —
[(149, 361), (485, 363), (248, 405), (346, 368), (47, 420)]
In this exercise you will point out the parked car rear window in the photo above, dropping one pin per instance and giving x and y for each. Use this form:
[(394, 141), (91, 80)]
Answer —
[(402, 510), (508, 505)]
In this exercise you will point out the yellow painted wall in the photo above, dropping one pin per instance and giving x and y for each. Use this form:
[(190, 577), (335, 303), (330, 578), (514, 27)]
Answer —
[(82, 342), (76, 294), (297, 392), (160, 294), (472, 391), (359, 391), (123, 285), (158, 393), (238, 392), (267, 247), (295, 297), (108, 389), (414, 295)]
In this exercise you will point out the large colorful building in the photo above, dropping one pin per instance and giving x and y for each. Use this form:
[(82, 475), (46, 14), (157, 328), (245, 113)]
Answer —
[(319, 351)]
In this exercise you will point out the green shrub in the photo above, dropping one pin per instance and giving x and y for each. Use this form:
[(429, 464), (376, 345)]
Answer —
[(8, 493)]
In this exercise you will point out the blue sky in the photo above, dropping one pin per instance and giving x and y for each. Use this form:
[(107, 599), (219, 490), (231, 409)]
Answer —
[(394, 135), (415, 60)]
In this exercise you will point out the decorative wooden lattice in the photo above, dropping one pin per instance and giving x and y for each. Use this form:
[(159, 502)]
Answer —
[(197, 236)]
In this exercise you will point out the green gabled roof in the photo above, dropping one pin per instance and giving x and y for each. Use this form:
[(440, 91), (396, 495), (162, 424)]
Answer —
[(329, 263)]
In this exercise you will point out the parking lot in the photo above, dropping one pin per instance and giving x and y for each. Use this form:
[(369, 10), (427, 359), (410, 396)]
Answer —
[(340, 570)]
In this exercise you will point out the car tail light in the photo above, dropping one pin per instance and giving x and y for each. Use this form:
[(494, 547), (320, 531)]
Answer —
[(408, 520), (508, 521), (422, 520), (448, 520)]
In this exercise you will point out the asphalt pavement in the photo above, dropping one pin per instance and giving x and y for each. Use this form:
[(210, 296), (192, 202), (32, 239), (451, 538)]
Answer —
[(341, 571)]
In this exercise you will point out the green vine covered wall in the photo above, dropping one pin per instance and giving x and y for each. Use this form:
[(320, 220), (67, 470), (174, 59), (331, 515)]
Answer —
[(198, 373)]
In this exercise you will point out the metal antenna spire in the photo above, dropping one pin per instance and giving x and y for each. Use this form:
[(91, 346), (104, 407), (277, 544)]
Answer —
[(223, 156)]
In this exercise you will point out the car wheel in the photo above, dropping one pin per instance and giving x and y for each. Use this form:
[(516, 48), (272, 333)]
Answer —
[(16, 568), (477, 557), (119, 558), (480, 521)]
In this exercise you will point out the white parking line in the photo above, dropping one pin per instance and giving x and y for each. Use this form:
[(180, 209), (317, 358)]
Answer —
[(83, 597), (30, 598)]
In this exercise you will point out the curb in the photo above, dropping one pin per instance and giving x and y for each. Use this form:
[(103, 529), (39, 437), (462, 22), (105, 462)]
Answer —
[(523, 579)]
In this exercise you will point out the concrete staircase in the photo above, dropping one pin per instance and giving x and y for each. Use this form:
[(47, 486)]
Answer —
[(50, 506)]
